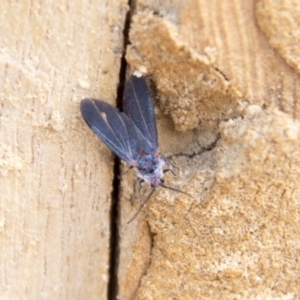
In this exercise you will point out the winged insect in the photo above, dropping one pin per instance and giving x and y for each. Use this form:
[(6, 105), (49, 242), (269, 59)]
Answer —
[(131, 134)]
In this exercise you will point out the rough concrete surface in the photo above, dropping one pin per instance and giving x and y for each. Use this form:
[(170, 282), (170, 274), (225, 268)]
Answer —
[(226, 85), (280, 21), (200, 96), (236, 237)]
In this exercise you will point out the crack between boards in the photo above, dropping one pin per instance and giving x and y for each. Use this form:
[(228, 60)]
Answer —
[(114, 243), (113, 284)]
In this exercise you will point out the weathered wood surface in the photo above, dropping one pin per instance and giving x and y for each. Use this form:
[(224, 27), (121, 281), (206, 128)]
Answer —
[(55, 176), (226, 77), (225, 71)]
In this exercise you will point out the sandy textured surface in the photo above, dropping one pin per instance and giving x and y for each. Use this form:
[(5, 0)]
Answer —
[(226, 85), (280, 21), (213, 70)]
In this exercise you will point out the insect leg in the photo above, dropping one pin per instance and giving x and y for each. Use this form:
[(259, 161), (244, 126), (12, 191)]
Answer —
[(131, 167), (140, 182), (169, 161), (142, 205), (170, 170)]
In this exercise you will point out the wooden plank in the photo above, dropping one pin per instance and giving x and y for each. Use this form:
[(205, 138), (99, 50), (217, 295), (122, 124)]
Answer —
[(55, 175), (233, 100)]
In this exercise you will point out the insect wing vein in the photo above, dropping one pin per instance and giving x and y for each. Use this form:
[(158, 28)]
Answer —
[(116, 130), (138, 106), (122, 126)]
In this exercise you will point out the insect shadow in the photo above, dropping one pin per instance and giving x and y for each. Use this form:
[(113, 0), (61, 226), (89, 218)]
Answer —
[(131, 134)]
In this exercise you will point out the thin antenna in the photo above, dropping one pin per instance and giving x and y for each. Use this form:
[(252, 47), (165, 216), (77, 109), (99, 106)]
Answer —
[(173, 189), (141, 206)]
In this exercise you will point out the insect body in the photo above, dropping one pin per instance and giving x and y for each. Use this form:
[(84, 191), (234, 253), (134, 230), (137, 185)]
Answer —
[(132, 134), (149, 168)]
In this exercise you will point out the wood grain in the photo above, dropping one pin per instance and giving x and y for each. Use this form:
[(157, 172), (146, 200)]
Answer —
[(215, 71), (55, 176)]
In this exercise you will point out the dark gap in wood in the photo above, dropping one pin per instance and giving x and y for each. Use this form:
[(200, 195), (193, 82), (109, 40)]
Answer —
[(113, 284)]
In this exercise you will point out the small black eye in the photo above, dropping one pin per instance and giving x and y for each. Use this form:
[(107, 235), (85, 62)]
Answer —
[(151, 171)]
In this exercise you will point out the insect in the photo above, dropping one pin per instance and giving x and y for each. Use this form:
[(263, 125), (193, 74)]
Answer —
[(132, 134)]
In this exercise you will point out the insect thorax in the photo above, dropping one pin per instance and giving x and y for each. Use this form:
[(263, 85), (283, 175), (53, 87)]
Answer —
[(149, 168)]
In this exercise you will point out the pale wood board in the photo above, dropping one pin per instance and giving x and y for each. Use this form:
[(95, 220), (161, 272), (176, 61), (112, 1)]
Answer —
[(226, 75), (55, 175)]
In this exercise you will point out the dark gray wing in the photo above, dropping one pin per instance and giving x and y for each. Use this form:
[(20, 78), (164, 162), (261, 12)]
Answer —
[(138, 106), (113, 127)]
